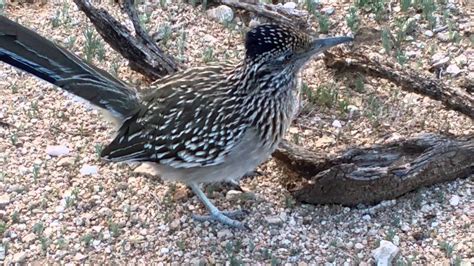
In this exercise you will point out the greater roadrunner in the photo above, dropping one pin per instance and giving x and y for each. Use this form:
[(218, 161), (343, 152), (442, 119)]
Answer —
[(205, 124)]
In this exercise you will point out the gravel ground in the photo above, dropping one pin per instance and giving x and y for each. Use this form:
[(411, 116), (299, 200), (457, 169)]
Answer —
[(77, 208)]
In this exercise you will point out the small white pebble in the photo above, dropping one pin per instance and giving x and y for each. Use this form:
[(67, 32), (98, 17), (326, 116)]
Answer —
[(79, 257), (453, 70), (88, 170), (405, 228), (337, 124), (274, 220), (385, 253), (290, 5), (454, 200), (56, 151), (60, 209), (96, 243), (164, 250), (396, 240)]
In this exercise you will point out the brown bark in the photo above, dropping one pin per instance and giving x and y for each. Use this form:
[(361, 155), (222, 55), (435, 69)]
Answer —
[(144, 56), (378, 173), (357, 176), (275, 13)]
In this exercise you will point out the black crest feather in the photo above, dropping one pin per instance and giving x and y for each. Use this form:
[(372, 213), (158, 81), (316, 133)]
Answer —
[(270, 38)]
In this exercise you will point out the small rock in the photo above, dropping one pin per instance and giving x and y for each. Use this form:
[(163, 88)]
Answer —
[(13, 235), (164, 251), (328, 10), (89, 170), (2, 252), (29, 238), (405, 228), (439, 60), (48, 232), (209, 39), (233, 194), (290, 5), (412, 54), (66, 161), (349, 245), (396, 240), (385, 253), (454, 200), (222, 14), (442, 36), (366, 217), (136, 238), (58, 150), (336, 123), (19, 257), (96, 243), (60, 208), (359, 246), (21, 227), (79, 257), (224, 233), (146, 169), (461, 60), (453, 70), (105, 212), (274, 220), (428, 33), (4, 200), (426, 208), (79, 221), (324, 141), (175, 224), (181, 193)]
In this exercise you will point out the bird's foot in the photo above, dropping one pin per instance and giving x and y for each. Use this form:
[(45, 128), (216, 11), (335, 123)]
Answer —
[(225, 217)]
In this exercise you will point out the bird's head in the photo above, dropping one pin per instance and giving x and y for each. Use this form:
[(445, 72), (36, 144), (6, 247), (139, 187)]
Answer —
[(279, 46)]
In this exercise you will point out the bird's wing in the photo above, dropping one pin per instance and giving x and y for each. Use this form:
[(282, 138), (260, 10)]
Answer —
[(190, 120)]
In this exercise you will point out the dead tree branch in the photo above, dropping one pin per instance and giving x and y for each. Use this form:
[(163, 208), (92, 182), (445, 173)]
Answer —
[(453, 98), (378, 173), (143, 55)]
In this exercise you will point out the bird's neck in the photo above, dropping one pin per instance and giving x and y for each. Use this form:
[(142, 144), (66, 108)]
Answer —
[(270, 99), (261, 78)]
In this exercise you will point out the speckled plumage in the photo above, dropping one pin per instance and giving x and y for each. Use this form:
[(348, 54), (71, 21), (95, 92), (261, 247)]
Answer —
[(204, 124), (195, 118)]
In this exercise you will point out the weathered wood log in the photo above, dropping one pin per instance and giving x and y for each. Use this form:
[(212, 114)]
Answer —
[(371, 175), (143, 55), (453, 98), (276, 13), (357, 176)]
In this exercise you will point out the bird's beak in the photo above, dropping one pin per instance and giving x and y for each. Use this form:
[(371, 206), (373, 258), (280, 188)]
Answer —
[(321, 45)]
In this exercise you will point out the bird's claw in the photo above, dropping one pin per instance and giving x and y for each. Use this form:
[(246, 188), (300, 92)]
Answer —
[(225, 217)]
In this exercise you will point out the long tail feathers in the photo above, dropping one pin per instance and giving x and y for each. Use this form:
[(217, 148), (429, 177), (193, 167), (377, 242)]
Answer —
[(28, 51)]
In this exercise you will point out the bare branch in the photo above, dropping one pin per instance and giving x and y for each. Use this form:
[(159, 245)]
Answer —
[(378, 173), (453, 98), (144, 56)]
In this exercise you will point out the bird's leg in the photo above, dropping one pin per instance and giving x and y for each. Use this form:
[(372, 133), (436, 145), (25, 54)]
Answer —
[(215, 214)]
